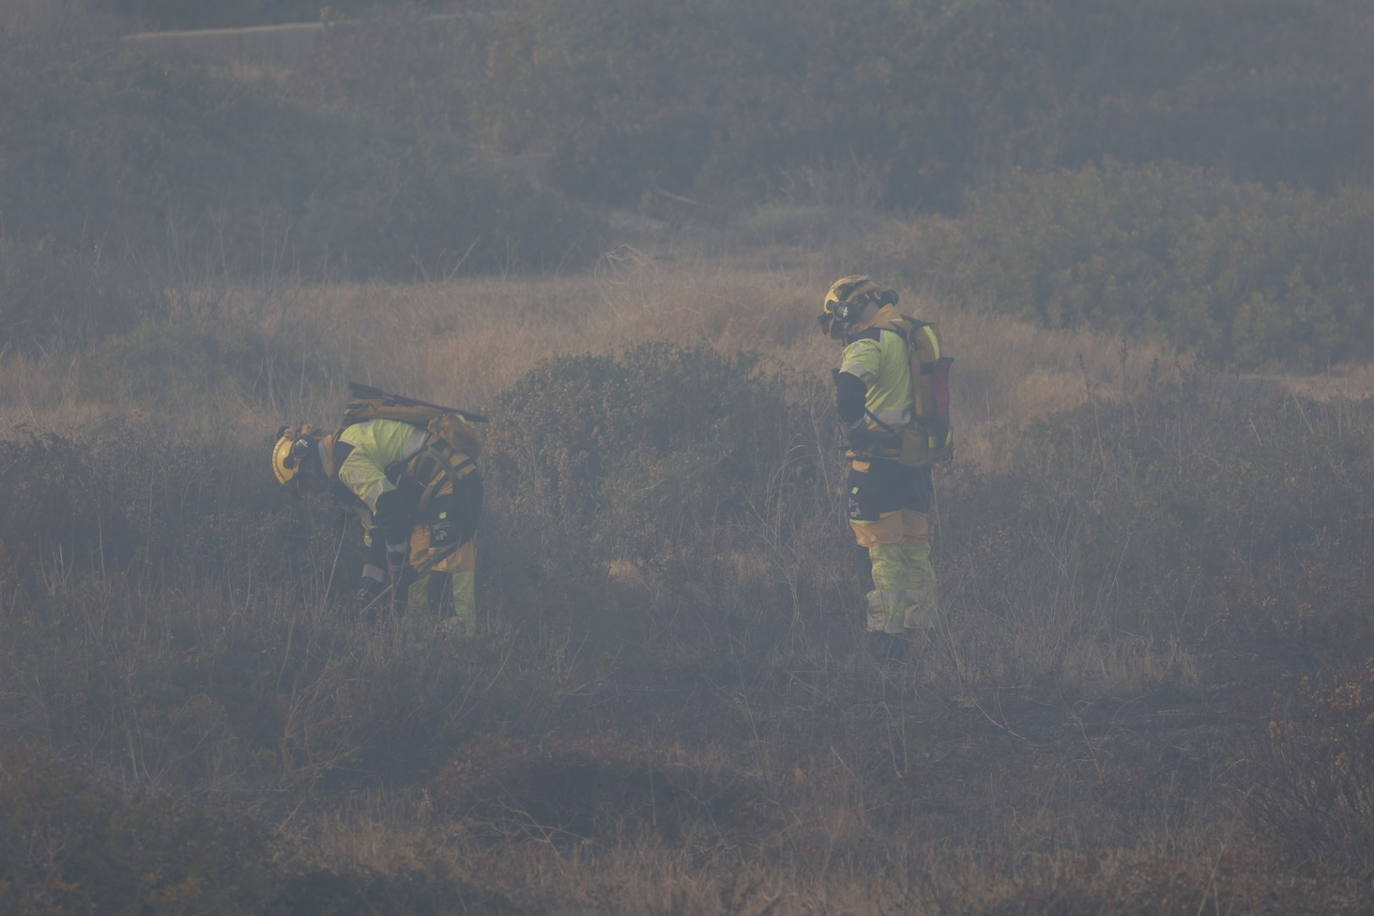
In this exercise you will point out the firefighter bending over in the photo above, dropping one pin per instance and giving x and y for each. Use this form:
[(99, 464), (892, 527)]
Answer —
[(891, 391), (409, 469)]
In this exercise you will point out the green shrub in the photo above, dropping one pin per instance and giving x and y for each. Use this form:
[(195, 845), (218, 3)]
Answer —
[(638, 454), (1242, 274), (674, 515)]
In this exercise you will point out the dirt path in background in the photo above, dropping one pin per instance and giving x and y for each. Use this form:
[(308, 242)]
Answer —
[(287, 45)]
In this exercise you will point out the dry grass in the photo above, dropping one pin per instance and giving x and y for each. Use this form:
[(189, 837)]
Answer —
[(1342, 383), (810, 781), (465, 341), (41, 394)]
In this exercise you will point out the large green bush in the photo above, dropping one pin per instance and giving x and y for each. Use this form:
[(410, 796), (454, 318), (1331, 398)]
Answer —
[(665, 495), (631, 449)]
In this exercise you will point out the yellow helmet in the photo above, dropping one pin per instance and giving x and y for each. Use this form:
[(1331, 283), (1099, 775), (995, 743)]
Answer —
[(845, 301), (294, 445)]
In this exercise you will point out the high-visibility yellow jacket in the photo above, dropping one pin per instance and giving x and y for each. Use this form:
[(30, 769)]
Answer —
[(878, 354), (372, 447)]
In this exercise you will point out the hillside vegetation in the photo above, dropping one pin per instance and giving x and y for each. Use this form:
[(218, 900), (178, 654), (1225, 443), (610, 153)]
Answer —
[(1146, 690), (1150, 689), (1194, 172)]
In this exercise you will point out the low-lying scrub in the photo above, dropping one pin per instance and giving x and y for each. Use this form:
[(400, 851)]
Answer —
[(669, 680), (73, 843)]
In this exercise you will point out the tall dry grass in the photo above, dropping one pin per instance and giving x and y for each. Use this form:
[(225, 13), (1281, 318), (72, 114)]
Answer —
[(690, 731), (465, 341)]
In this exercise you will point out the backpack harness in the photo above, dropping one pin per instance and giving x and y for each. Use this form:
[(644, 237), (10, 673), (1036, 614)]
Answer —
[(929, 437)]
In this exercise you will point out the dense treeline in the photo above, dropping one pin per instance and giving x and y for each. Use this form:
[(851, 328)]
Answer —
[(1192, 170), (937, 95)]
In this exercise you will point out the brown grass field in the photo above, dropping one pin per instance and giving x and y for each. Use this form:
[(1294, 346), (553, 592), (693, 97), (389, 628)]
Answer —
[(1151, 685), (1147, 694)]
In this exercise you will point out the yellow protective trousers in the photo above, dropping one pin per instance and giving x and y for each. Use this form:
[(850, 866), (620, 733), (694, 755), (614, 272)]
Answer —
[(903, 595), (457, 572), (888, 506)]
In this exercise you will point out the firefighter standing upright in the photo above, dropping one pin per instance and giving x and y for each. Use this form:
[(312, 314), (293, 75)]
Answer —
[(891, 391)]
